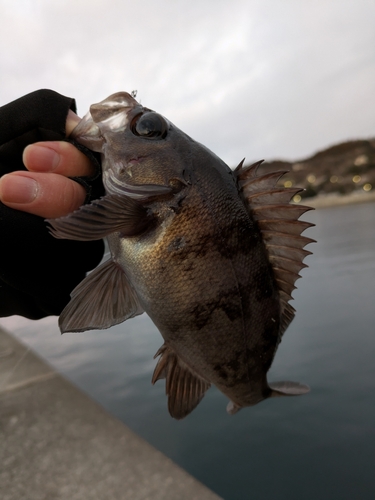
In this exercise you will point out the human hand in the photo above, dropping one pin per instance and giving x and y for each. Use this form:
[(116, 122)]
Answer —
[(45, 189), (37, 271)]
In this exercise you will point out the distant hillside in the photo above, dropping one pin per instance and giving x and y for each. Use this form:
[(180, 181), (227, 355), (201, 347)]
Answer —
[(341, 169)]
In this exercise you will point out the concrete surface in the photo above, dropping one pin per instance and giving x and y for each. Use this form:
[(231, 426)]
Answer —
[(58, 444)]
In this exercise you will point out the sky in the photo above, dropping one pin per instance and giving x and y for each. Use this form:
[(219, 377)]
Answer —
[(261, 79)]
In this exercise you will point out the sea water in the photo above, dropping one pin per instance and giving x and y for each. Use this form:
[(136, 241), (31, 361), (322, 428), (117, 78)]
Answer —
[(317, 446)]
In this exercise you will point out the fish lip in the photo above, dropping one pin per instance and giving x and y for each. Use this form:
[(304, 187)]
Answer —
[(124, 167), (136, 159), (142, 192)]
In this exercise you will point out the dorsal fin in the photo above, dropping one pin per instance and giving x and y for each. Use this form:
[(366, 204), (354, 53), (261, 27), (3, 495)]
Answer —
[(184, 388), (281, 230)]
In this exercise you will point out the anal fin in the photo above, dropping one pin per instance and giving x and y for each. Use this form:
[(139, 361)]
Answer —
[(104, 298), (184, 388)]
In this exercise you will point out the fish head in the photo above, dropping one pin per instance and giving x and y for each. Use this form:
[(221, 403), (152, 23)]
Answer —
[(142, 152)]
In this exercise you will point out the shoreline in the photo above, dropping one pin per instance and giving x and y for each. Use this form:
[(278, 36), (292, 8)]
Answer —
[(58, 443), (336, 200)]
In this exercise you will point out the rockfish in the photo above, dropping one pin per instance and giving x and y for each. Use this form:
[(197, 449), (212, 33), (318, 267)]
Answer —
[(210, 254)]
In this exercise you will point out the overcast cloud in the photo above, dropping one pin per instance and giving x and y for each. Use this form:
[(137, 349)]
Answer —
[(261, 79)]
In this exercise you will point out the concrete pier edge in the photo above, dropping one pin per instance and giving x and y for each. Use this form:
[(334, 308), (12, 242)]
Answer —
[(58, 444)]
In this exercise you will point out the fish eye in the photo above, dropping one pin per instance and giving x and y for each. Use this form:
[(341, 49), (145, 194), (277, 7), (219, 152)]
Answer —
[(150, 125)]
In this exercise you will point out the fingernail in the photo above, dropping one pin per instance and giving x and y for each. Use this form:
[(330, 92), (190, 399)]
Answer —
[(18, 189), (42, 158)]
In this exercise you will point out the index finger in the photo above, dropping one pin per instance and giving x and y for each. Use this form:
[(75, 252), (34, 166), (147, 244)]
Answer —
[(58, 157), (72, 121)]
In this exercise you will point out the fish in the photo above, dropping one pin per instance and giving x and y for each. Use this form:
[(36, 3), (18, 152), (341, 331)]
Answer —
[(211, 254)]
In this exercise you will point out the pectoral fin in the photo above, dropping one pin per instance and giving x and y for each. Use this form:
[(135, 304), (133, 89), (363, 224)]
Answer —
[(288, 389), (102, 217), (184, 388), (104, 298)]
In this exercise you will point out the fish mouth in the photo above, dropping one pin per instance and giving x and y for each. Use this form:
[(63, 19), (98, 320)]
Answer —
[(112, 114), (135, 160), (138, 191)]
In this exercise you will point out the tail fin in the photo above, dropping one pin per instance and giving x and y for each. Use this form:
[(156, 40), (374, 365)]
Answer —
[(288, 388)]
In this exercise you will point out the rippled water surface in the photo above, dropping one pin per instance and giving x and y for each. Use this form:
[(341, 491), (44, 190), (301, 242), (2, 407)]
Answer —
[(319, 446)]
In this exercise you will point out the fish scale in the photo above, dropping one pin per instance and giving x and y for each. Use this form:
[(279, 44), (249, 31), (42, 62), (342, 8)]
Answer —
[(210, 254)]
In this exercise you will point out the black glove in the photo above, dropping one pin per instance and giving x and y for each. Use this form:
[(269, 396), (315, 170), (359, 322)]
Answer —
[(37, 271)]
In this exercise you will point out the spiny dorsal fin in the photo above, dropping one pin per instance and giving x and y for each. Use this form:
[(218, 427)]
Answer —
[(184, 388), (281, 230)]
